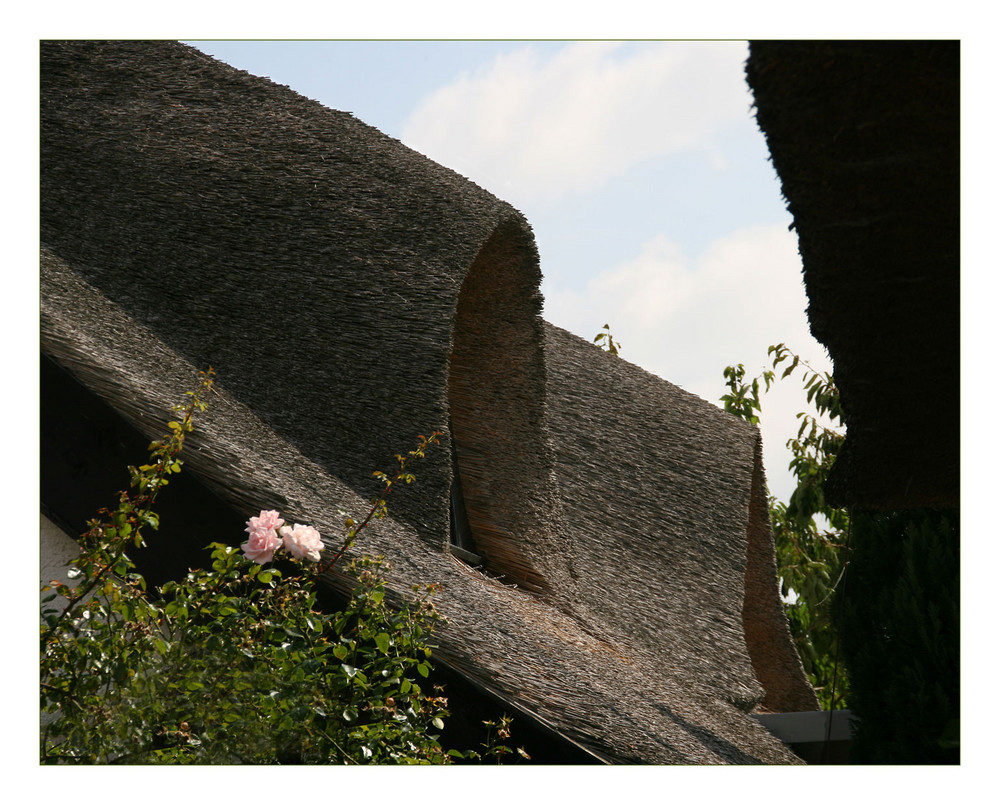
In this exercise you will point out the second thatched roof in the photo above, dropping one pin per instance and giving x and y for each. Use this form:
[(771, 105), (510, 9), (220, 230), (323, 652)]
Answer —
[(865, 138)]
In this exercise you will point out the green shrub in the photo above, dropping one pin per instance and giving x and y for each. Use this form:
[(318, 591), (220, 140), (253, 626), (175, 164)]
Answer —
[(236, 663)]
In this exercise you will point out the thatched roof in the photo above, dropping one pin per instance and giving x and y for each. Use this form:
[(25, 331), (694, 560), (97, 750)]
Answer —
[(865, 138), (350, 294)]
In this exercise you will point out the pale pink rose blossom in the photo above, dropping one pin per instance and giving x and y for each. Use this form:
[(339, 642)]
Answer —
[(261, 546), (268, 521), (302, 542)]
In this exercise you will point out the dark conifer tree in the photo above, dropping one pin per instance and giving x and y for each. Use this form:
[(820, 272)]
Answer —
[(899, 625)]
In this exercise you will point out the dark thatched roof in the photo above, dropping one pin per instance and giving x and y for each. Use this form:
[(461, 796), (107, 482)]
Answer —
[(865, 138), (351, 294)]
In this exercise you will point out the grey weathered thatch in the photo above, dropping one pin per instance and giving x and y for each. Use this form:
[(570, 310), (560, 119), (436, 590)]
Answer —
[(865, 138), (350, 294)]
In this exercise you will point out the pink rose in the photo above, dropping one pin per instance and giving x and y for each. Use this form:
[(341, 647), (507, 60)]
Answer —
[(268, 521), (302, 542), (261, 546)]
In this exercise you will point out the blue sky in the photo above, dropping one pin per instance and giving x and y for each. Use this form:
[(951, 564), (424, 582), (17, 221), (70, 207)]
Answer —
[(639, 167)]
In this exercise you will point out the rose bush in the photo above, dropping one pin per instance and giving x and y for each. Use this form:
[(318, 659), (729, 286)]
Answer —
[(236, 663)]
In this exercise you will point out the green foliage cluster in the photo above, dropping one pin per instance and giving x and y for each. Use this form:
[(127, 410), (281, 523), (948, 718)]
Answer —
[(236, 663), (809, 534), (900, 626), (606, 342)]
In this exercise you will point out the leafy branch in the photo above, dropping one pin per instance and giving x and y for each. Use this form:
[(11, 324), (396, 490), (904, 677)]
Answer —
[(378, 508), (606, 342), (107, 540), (810, 560)]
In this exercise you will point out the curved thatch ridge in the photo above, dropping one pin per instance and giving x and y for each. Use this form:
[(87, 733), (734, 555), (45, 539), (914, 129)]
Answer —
[(215, 205), (865, 138), (656, 487), (351, 294)]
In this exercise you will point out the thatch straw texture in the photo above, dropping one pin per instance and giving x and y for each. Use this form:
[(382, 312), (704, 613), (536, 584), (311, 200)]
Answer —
[(865, 138), (350, 294), (656, 491)]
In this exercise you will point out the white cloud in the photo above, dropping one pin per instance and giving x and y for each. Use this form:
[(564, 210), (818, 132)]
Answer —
[(535, 129), (527, 128), (686, 318)]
